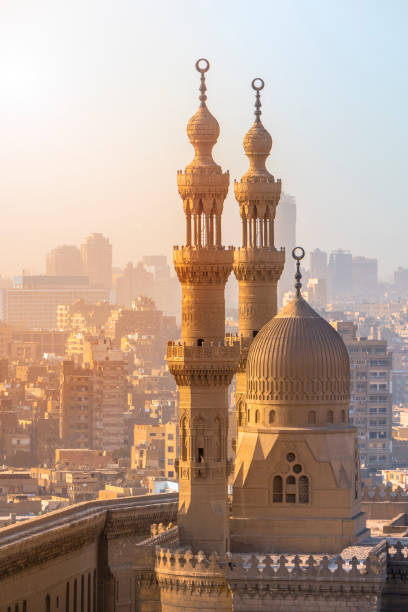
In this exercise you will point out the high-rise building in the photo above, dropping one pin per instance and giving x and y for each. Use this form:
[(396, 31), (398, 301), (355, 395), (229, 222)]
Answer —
[(109, 395), (364, 277), (76, 406), (64, 260), (341, 274), (285, 236), (34, 300), (371, 399), (133, 282), (96, 254), (93, 398), (317, 292), (318, 264)]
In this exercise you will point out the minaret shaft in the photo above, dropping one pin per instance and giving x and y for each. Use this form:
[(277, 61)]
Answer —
[(202, 364)]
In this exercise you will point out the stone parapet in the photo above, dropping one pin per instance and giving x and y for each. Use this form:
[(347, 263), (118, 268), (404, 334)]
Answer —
[(211, 363), (291, 579), (257, 189), (203, 265)]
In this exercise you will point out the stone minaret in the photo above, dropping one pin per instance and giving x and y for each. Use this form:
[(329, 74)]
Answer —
[(202, 364), (257, 264)]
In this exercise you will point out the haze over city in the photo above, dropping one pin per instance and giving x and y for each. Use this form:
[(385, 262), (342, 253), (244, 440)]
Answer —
[(94, 98)]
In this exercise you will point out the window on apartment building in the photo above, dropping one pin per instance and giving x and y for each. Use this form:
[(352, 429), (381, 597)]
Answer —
[(170, 461), (170, 436), (372, 435), (170, 474), (170, 449)]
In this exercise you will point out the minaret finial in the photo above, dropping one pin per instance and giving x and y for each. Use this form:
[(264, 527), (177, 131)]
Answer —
[(202, 70), (258, 84), (298, 275)]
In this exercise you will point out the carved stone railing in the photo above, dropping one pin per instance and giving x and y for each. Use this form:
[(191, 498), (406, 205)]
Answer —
[(169, 537), (213, 352), (381, 494)]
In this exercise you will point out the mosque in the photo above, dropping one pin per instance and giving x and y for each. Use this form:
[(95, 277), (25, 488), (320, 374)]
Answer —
[(294, 533)]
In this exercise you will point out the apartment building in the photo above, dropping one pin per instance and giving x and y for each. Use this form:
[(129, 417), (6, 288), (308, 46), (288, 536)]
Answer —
[(155, 446), (370, 394)]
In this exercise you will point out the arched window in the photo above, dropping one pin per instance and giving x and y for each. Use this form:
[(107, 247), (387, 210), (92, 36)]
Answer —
[(311, 417), (94, 591), (248, 415), (88, 592), (67, 594), (184, 440), (200, 341), (75, 596), (16, 608), (330, 417), (271, 417), (48, 603), (290, 490), (24, 606), (277, 490), (256, 416), (217, 439), (343, 416), (303, 490)]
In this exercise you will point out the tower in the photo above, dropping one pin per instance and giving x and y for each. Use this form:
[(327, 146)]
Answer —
[(203, 365), (257, 263), (297, 481), (96, 254)]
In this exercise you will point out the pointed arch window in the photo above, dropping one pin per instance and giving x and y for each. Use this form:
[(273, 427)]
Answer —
[(256, 416), (330, 417), (290, 490), (277, 490), (272, 415), (311, 417)]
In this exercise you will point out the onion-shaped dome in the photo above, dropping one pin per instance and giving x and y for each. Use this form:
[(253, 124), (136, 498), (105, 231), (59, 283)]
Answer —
[(203, 130), (257, 141), (298, 358)]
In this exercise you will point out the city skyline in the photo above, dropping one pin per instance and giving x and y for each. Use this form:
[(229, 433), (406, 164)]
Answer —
[(89, 129)]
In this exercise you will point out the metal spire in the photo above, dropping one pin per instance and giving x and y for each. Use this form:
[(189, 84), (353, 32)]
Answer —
[(258, 84), (202, 70), (298, 257)]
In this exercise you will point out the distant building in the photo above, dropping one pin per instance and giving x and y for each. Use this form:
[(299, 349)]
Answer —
[(134, 281), (401, 278), (317, 292), (64, 260), (371, 400), (96, 254), (93, 398), (341, 274), (318, 264), (155, 446), (285, 236), (364, 277), (33, 301)]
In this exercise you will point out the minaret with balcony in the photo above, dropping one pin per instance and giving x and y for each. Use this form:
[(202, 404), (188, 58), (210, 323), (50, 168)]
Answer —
[(258, 264), (202, 364)]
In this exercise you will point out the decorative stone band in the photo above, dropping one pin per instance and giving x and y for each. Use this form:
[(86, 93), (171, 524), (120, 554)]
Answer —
[(203, 265), (295, 390), (203, 182), (273, 567), (209, 364)]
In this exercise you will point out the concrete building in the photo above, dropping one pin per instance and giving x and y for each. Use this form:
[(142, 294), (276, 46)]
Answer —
[(166, 451), (76, 406), (371, 399), (317, 292), (364, 277), (318, 264), (64, 260), (134, 281), (96, 252), (341, 274), (33, 301)]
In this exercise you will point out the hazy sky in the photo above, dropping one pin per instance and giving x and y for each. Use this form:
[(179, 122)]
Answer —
[(95, 96)]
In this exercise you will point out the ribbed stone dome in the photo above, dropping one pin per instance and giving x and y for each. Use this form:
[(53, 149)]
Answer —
[(299, 358), (257, 141)]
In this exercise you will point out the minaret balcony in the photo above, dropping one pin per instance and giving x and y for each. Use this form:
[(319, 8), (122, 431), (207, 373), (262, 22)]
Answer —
[(210, 363)]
